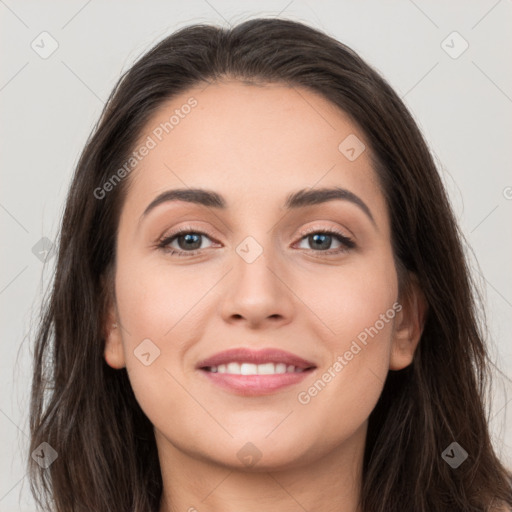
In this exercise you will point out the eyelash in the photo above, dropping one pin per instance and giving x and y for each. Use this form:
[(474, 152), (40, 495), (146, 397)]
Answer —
[(164, 242)]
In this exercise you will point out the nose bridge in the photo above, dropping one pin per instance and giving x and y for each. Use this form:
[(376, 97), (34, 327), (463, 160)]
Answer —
[(255, 254), (257, 242), (256, 289)]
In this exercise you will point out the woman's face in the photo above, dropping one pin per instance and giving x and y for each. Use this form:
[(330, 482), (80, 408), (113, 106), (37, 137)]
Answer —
[(256, 274)]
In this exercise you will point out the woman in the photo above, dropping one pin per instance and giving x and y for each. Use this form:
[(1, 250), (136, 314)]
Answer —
[(261, 299)]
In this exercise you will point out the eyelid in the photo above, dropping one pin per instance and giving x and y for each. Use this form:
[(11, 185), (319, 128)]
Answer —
[(331, 228)]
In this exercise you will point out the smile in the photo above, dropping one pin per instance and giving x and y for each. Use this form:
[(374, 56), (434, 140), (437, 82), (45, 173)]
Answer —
[(254, 369)]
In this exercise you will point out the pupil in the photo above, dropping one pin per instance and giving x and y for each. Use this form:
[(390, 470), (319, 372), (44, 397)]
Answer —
[(190, 238), (324, 236)]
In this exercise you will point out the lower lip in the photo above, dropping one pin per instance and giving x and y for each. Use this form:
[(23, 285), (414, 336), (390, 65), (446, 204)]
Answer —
[(253, 385)]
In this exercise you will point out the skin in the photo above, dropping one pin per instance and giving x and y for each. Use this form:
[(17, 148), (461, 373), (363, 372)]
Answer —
[(255, 145)]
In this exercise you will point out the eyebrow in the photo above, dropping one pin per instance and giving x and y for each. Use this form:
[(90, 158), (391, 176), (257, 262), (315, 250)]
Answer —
[(299, 199)]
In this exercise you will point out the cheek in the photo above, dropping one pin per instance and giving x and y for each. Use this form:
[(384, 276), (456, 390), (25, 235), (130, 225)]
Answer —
[(356, 308), (158, 316), (350, 299), (359, 308), (166, 306), (154, 301)]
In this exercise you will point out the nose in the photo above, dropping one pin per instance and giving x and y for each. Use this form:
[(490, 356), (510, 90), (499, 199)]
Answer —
[(257, 293)]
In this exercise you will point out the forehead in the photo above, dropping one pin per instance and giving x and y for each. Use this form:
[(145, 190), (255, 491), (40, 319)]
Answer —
[(250, 143)]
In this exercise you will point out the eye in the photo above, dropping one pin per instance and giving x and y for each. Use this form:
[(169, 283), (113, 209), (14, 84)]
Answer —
[(321, 241), (188, 239)]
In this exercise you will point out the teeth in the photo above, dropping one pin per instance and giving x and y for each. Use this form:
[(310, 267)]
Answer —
[(233, 368), (254, 369), (280, 368), (265, 369), (245, 368)]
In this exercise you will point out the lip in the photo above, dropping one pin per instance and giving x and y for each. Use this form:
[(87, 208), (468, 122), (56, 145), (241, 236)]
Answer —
[(245, 355), (255, 385)]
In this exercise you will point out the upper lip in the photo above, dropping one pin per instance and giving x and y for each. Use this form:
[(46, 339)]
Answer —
[(245, 355)]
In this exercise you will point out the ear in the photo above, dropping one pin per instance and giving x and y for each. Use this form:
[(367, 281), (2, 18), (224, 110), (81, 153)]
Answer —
[(111, 327), (409, 324)]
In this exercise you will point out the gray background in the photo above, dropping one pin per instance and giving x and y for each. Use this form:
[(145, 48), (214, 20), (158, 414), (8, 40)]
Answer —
[(49, 105)]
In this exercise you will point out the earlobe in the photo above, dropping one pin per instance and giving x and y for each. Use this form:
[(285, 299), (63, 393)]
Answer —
[(114, 354), (409, 325), (113, 350)]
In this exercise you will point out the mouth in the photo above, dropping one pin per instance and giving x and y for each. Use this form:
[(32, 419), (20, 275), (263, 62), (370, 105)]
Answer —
[(249, 373), (235, 368)]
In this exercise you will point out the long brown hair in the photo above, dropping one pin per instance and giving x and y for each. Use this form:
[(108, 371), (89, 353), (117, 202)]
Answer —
[(87, 412)]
